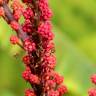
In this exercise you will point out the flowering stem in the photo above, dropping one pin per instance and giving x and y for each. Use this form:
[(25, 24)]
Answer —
[(36, 36)]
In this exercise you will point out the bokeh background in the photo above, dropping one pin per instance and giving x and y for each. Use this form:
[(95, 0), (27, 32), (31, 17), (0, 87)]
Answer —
[(74, 25)]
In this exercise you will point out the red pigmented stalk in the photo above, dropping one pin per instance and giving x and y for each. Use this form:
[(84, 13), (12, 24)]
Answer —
[(36, 36), (8, 16)]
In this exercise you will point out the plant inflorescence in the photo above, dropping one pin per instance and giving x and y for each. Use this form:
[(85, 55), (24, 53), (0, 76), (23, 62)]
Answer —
[(35, 37)]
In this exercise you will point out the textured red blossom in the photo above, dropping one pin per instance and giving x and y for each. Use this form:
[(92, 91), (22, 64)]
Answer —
[(26, 59), (28, 13), (17, 14), (49, 85), (27, 26), (34, 79), (45, 30), (92, 92), (29, 92), (58, 79), (17, 5), (62, 90), (50, 61), (46, 12), (14, 25), (14, 39), (53, 93), (93, 79), (26, 74), (29, 46)]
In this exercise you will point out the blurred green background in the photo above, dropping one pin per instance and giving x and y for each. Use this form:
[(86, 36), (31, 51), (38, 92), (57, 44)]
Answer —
[(75, 39)]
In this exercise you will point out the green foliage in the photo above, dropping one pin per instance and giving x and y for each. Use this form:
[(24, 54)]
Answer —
[(75, 39)]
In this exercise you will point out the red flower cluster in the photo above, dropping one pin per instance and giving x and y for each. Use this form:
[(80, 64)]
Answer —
[(44, 30), (36, 36), (14, 39), (93, 79), (14, 25), (46, 12), (92, 91), (29, 92)]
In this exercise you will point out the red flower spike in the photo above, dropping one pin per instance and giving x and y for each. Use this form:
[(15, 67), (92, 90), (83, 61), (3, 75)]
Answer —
[(14, 40), (36, 37)]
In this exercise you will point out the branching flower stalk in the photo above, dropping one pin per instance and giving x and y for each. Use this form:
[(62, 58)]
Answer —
[(37, 41)]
